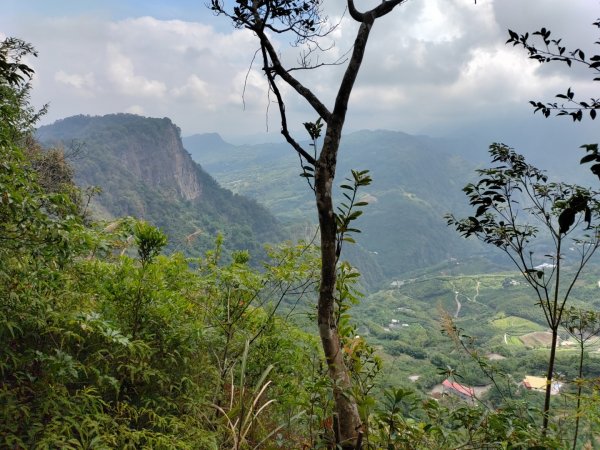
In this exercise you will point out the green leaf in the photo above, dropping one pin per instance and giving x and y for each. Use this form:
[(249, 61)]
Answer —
[(355, 215)]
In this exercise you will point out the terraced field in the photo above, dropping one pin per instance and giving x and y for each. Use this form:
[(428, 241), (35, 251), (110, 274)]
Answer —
[(516, 326)]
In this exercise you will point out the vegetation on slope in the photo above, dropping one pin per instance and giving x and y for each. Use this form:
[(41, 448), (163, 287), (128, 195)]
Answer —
[(143, 171)]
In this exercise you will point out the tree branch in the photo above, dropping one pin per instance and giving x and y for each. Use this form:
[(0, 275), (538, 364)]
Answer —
[(281, 104), (382, 9), (277, 67), (367, 19)]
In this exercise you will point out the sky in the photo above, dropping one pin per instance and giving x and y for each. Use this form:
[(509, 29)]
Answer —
[(432, 66)]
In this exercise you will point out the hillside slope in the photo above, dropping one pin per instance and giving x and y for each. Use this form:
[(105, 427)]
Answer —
[(416, 180), (144, 171)]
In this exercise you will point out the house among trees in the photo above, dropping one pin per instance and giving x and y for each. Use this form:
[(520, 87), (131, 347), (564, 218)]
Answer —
[(464, 392), (539, 384), (508, 282)]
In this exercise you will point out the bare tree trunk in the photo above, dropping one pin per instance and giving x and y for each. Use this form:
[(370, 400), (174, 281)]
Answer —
[(260, 16), (549, 376), (579, 389), (348, 419)]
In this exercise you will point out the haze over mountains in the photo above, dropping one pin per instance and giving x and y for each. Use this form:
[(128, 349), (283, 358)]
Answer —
[(416, 180)]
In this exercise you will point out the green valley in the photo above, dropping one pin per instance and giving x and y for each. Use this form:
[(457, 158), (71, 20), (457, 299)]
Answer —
[(432, 308), (416, 180)]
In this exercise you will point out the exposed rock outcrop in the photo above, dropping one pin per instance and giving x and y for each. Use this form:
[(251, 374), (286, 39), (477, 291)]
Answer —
[(143, 169)]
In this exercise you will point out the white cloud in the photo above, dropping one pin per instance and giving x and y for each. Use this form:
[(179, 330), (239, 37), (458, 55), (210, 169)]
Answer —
[(121, 72), (82, 82), (424, 62), (136, 109), (433, 24), (248, 87), (500, 75), (193, 89)]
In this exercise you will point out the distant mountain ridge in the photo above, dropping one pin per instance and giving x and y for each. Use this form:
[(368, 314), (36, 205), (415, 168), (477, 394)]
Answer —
[(212, 140), (144, 171), (416, 180)]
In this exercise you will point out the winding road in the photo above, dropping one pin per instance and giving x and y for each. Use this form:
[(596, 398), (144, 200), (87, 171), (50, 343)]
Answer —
[(458, 304)]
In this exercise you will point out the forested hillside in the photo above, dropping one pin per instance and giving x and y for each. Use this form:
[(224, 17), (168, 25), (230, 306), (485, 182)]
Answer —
[(416, 180), (143, 171)]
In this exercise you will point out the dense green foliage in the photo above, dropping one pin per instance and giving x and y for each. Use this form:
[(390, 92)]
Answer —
[(106, 350)]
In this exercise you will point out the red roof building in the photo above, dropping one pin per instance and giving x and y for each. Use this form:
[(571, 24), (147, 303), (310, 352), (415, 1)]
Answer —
[(464, 392)]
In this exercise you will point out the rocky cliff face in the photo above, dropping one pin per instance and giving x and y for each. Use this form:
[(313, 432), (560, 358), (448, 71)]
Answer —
[(160, 160), (144, 171), (149, 149)]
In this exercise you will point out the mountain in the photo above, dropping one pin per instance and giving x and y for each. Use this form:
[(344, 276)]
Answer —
[(144, 171), (207, 140), (416, 180)]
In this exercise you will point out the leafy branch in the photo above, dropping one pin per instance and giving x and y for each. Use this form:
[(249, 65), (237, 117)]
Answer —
[(544, 49), (501, 197), (347, 212), (314, 130), (12, 70)]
